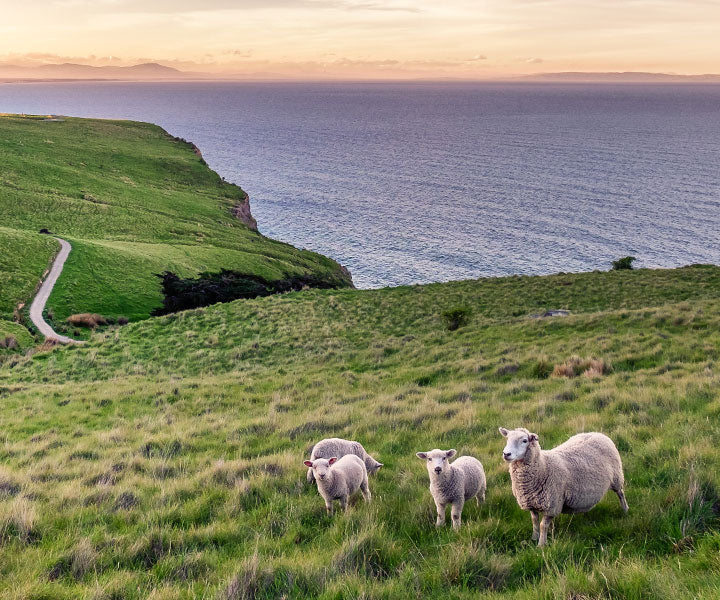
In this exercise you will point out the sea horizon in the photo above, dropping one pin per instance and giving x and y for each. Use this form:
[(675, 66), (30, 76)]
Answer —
[(426, 181)]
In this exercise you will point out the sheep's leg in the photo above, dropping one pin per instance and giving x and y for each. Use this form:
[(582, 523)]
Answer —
[(344, 502), (329, 507), (456, 513), (440, 514), (536, 525), (310, 476), (545, 524), (365, 489)]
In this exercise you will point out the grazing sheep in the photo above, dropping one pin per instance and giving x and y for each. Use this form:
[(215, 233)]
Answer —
[(338, 447), (572, 477), (453, 483), (339, 478)]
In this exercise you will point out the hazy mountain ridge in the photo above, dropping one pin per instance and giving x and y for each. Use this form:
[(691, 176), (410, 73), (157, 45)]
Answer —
[(624, 76), (156, 71), (80, 71)]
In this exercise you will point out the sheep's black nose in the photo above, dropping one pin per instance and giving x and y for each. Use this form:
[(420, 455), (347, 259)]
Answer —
[(506, 454), (438, 469)]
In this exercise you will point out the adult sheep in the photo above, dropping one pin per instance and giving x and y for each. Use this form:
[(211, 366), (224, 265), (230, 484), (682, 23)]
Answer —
[(338, 447), (572, 477)]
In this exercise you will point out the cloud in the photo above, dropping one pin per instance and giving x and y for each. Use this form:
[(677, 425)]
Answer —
[(534, 61), (239, 53), (476, 58), (381, 7)]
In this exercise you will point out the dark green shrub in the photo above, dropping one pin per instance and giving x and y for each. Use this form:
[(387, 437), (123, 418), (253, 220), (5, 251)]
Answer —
[(624, 263), (542, 368), (456, 317), (226, 286)]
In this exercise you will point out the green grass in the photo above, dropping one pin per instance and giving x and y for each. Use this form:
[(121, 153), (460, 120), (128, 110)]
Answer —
[(24, 257), (133, 201), (164, 459)]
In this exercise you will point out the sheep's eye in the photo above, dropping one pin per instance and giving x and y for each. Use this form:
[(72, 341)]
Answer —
[(444, 458), (429, 459), (524, 441)]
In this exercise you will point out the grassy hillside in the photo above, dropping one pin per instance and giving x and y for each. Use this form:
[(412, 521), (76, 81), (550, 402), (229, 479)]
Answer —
[(133, 201), (24, 257), (164, 459)]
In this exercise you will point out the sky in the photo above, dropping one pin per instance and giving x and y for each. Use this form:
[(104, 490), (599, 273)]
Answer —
[(368, 38)]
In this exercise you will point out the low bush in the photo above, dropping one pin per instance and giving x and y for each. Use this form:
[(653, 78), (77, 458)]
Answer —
[(456, 317), (226, 286), (9, 342), (623, 263), (89, 320), (589, 367)]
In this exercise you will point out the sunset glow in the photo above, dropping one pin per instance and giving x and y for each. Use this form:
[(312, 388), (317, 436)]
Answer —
[(368, 38)]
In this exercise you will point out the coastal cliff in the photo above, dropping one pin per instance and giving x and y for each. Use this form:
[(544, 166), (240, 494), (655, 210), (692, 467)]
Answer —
[(135, 202), (241, 211)]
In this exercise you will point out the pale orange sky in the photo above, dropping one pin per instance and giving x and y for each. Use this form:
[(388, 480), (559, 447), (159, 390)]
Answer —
[(368, 38)]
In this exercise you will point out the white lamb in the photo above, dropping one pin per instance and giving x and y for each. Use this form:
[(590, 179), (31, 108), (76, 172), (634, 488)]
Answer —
[(330, 447), (453, 483), (339, 478), (572, 477)]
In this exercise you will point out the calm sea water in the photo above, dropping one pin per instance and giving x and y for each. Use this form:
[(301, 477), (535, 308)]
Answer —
[(410, 183)]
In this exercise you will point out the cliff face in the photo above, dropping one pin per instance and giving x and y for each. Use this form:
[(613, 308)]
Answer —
[(241, 211)]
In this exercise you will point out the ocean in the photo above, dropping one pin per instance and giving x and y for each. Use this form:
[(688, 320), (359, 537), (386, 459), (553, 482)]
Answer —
[(409, 183)]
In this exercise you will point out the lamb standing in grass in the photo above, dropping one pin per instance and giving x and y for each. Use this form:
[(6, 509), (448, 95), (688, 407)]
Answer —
[(338, 447), (339, 478), (453, 483), (572, 477)]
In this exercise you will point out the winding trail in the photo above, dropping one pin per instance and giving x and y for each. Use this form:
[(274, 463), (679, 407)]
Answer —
[(38, 304)]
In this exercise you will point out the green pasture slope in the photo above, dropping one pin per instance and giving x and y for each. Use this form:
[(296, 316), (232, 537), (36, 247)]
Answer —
[(133, 201), (163, 459)]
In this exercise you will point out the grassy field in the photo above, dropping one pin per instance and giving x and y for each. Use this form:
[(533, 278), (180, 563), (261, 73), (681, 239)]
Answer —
[(164, 459), (133, 201)]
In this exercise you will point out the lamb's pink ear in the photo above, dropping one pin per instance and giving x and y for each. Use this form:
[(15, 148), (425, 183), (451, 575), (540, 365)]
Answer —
[(533, 437), (333, 460), (503, 431), (422, 455), (308, 463), (451, 453)]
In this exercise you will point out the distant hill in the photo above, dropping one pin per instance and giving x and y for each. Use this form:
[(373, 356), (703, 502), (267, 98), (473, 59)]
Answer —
[(78, 71), (626, 76)]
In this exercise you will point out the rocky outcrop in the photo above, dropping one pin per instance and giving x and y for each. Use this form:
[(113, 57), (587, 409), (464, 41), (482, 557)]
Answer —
[(241, 210), (347, 275)]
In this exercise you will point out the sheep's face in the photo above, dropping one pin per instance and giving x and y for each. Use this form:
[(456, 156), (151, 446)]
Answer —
[(436, 460), (320, 467), (518, 441), (374, 467)]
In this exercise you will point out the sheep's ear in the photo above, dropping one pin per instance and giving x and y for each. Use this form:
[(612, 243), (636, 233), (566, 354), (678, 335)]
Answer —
[(533, 437), (503, 431), (451, 453), (422, 455), (378, 465), (308, 463), (333, 460)]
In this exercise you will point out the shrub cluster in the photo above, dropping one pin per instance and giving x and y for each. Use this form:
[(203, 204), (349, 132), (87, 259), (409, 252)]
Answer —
[(590, 367), (623, 263), (226, 286), (89, 320)]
